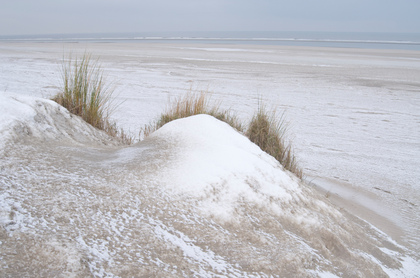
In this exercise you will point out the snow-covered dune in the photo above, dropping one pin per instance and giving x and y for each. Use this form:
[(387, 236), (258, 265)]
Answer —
[(195, 199), (29, 118)]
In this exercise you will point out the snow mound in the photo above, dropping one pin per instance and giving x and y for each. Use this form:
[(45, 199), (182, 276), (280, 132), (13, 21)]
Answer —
[(221, 167), (26, 117), (195, 199)]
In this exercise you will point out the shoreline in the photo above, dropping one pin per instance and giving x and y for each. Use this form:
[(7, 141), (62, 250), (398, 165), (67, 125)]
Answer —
[(215, 43), (368, 40)]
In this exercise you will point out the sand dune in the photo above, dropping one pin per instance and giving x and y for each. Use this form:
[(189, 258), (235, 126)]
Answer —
[(194, 199)]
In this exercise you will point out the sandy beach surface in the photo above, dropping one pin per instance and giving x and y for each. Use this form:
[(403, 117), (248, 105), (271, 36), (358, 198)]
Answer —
[(354, 113)]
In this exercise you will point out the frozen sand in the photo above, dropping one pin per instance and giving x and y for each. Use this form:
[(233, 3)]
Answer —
[(354, 113)]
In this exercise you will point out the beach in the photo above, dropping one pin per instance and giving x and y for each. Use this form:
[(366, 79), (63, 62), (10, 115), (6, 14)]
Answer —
[(354, 114)]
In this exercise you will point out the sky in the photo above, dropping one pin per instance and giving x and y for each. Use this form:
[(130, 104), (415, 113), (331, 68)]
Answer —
[(29, 17)]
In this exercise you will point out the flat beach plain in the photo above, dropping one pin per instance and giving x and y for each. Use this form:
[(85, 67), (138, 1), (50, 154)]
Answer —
[(354, 113)]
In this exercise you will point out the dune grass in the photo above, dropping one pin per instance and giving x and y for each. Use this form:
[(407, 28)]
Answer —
[(266, 129), (193, 104), (85, 93)]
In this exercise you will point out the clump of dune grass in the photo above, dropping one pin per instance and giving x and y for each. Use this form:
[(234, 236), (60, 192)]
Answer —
[(268, 131), (85, 93), (193, 104)]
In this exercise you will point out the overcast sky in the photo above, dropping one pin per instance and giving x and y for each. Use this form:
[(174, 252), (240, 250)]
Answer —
[(18, 17)]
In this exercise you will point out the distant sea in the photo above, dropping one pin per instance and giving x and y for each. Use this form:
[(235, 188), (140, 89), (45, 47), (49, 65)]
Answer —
[(408, 41)]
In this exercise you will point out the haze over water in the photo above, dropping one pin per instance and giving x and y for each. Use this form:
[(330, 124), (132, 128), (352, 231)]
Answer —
[(369, 40)]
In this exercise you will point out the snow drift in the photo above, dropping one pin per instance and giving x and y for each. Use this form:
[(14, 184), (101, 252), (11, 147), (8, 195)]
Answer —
[(195, 199)]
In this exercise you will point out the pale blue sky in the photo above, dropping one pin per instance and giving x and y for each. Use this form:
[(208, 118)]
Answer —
[(18, 17)]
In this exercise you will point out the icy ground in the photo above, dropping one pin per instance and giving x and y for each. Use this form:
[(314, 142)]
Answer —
[(195, 199)]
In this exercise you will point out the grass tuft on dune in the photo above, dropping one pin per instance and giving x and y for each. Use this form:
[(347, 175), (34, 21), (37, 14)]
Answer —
[(193, 104), (268, 130), (85, 93)]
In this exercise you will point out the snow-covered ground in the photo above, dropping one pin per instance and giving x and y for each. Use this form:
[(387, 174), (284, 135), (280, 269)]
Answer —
[(355, 119)]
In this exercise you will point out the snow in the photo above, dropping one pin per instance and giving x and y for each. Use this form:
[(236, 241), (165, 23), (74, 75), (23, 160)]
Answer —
[(197, 198), (212, 155), (12, 110)]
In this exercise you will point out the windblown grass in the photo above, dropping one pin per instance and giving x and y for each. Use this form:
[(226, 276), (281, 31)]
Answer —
[(269, 131), (86, 94), (193, 104)]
